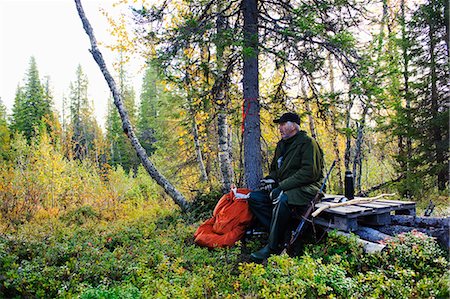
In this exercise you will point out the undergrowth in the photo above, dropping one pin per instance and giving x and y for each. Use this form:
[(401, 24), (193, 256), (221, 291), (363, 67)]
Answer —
[(149, 252)]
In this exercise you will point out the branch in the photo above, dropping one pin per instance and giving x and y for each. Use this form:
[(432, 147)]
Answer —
[(126, 125)]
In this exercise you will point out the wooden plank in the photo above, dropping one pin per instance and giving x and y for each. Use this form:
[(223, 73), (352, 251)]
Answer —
[(351, 211), (374, 206), (396, 201)]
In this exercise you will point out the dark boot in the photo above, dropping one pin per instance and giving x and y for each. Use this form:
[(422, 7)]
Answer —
[(280, 219), (261, 255)]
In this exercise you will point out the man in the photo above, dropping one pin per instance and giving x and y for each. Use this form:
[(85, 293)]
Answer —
[(295, 177)]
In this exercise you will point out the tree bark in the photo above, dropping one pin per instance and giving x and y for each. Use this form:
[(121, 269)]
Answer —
[(198, 150), (224, 155), (334, 132), (357, 162), (348, 136), (127, 127), (251, 107), (312, 125)]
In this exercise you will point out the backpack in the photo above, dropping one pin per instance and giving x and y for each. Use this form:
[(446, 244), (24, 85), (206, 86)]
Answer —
[(231, 216)]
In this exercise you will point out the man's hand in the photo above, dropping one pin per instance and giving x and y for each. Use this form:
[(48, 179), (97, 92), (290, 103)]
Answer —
[(267, 184)]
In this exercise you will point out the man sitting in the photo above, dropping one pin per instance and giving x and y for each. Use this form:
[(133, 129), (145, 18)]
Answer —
[(295, 177)]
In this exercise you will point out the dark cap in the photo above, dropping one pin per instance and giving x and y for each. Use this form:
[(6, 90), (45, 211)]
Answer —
[(288, 116)]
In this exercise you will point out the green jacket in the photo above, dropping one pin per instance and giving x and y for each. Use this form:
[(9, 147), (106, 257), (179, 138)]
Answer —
[(298, 168)]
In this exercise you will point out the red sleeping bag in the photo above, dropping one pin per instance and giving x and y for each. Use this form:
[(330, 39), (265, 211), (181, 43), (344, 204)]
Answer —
[(230, 219)]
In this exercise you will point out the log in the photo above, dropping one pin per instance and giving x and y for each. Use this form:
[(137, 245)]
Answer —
[(371, 234), (369, 247), (423, 222), (440, 234)]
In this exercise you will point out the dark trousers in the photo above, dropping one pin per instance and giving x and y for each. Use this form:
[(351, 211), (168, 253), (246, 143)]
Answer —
[(273, 215)]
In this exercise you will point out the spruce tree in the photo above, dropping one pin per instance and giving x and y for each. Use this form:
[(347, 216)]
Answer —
[(4, 133), (120, 149), (31, 106), (429, 111), (148, 111), (83, 126)]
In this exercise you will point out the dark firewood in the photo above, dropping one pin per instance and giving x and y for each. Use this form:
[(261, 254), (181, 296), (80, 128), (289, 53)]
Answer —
[(441, 234), (423, 222), (371, 234)]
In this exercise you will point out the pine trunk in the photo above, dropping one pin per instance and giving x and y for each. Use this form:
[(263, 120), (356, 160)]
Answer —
[(251, 107), (127, 127)]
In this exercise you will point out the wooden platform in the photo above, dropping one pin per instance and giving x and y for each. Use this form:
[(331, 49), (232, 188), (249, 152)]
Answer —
[(378, 212)]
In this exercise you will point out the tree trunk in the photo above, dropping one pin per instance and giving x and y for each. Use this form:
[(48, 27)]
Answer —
[(348, 135), (127, 127), (357, 162), (198, 150), (312, 125), (334, 132), (423, 222), (407, 95), (224, 155), (251, 107)]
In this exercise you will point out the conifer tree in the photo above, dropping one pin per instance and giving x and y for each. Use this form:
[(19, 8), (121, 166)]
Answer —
[(430, 112), (120, 149), (82, 121), (4, 133), (148, 111), (31, 106)]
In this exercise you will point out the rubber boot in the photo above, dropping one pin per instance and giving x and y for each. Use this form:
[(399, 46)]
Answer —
[(278, 225)]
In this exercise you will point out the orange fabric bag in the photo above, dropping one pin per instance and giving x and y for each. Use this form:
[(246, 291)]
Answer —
[(230, 219)]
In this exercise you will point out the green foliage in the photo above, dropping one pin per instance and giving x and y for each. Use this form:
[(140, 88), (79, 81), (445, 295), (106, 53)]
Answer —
[(203, 204), (32, 106)]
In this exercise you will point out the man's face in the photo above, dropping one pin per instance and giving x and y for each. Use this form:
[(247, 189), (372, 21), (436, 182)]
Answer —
[(287, 129)]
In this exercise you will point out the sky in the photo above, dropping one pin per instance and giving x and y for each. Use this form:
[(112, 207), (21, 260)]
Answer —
[(51, 31)]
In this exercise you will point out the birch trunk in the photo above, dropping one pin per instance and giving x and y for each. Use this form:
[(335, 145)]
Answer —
[(224, 145), (127, 127), (334, 132)]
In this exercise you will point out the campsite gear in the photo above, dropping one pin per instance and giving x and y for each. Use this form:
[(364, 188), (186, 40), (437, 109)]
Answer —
[(231, 216), (301, 226), (349, 189), (278, 226), (267, 184), (298, 167)]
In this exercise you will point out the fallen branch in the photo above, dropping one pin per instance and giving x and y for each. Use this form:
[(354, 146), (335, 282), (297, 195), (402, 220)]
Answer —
[(126, 124), (347, 203)]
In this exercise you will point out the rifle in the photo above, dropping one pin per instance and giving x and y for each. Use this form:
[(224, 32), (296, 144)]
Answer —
[(307, 215)]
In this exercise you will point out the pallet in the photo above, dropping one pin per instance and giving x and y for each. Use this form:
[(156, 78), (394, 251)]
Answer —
[(375, 213)]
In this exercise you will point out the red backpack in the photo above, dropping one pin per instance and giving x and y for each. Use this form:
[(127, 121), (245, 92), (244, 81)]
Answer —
[(230, 219)]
